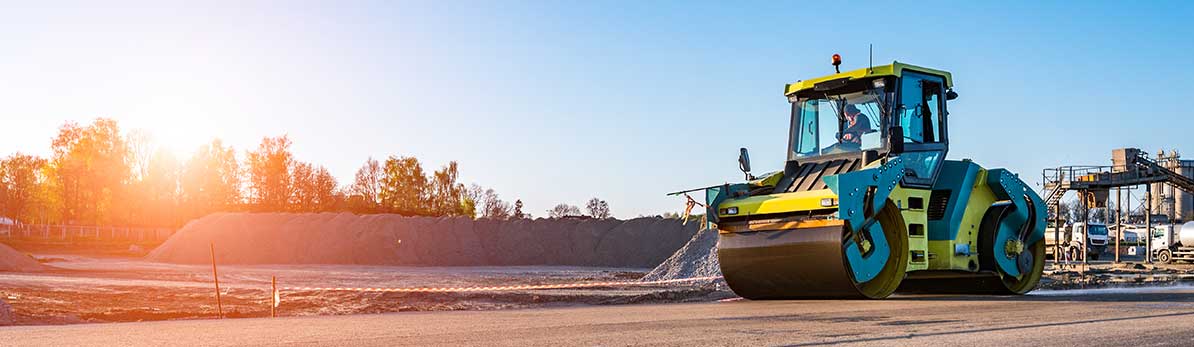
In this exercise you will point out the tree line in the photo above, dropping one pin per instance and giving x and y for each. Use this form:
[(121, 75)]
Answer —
[(97, 175)]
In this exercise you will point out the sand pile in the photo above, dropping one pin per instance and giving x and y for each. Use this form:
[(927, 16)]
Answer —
[(330, 238), (698, 258), (12, 260)]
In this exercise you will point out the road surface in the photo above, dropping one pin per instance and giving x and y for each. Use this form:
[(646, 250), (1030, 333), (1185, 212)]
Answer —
[(1139, 317)]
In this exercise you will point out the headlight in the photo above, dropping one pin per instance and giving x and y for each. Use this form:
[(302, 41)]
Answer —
[(730, 210), (828, 202), (792, 98), (879, 83)]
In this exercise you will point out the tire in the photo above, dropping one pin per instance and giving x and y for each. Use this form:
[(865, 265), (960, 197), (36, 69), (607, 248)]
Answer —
[(1164, 256)]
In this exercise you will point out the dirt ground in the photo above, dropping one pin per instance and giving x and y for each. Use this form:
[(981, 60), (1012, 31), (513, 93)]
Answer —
[(1105, 274), (79, 289), (82, 289)]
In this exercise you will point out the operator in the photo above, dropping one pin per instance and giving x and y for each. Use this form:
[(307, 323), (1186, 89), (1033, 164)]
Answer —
[(856, 125)]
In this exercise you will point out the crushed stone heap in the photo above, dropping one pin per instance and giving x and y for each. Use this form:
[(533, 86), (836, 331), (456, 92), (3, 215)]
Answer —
[(15, 261), (345, 238), (697, 258)]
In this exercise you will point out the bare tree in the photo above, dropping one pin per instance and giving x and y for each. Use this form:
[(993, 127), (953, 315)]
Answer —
[(368, 182), (563, 210), (493, 207), (141, 151), (598, 208), (475, 193)]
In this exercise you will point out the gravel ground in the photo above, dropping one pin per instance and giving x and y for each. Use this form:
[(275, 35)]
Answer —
[(77, 289), (81, 289)]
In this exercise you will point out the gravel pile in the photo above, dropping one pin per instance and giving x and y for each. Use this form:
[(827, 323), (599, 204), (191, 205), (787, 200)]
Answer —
[(698, 258), (12, 260), (344, 238)]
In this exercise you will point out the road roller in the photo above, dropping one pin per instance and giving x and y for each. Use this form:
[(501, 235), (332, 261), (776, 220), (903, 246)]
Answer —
[(867, 204)]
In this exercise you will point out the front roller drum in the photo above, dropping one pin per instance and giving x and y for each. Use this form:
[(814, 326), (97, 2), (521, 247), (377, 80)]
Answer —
[(808, 262)]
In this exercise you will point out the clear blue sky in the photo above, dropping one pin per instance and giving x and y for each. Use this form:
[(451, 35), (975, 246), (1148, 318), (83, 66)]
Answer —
[(552, 102)]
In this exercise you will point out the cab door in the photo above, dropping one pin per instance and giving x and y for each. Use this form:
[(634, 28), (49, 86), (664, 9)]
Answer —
[(921, 113)]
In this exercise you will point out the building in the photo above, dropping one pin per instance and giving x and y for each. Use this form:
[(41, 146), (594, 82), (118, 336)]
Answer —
[(1169, 200)]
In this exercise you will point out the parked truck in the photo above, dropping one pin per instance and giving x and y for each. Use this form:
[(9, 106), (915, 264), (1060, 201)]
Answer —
[(1072, 241), (1173, 242)]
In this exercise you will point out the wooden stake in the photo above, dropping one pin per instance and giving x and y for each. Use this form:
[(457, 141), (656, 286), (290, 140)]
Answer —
[(273, 297), (215, 275)]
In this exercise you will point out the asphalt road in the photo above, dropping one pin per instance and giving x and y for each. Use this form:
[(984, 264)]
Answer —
[(1086, 318)]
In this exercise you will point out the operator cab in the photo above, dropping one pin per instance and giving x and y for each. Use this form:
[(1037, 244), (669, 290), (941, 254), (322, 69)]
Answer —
[(846, 121)]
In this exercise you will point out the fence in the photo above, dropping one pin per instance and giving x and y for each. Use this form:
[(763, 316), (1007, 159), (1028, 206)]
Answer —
[(83, 233)]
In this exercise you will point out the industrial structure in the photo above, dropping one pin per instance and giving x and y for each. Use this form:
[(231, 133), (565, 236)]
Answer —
[(867, 203), (1170, 200), (1131, 167)]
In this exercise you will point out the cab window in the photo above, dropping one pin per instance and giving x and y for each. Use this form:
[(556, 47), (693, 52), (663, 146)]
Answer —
[(920, 108)]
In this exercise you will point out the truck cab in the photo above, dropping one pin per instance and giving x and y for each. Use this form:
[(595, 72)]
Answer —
[(1171, 242), (1072, 240)]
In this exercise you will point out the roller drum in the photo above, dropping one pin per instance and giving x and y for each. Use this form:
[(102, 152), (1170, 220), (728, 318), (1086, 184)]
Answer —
[(798, 263), (807, 263)]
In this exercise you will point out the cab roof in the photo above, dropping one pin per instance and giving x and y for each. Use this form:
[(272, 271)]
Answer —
[(895, 69)]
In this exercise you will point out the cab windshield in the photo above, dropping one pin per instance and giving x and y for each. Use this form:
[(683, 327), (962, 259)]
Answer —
[(838, 123), (1098, 230)]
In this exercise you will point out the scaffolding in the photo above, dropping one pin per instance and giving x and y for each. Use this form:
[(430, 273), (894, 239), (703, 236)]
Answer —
[(1130, 167)]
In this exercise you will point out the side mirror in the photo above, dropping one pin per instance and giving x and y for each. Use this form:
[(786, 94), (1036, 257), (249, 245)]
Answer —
[(895, 139), (951, 94), (744, 162)]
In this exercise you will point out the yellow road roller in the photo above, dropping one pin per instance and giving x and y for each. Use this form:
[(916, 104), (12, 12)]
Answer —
[(867, 203)]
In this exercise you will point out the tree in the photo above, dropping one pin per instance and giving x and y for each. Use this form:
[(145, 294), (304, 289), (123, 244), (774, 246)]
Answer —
[(518, 214), (269, 174), (1075, 211), (598, 208), (367, 185), (404, 187), (474, 192), (563, 210), (314, 189), (159, 191), (91, 169), (141, 151), (302, 182), (493, 207), (446, 195), (211, 180), (1064, 209), (327, 198), (468, 208), (20, 182)]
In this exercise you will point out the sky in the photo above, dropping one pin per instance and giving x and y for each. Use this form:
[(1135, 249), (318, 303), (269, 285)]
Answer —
[(552, 102)]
